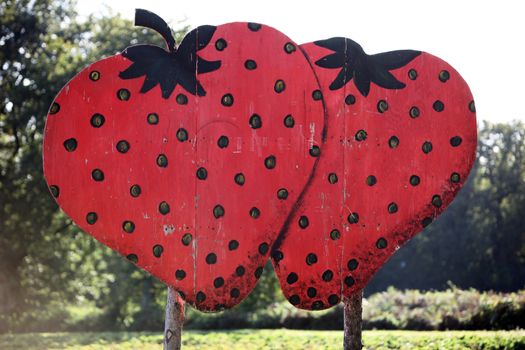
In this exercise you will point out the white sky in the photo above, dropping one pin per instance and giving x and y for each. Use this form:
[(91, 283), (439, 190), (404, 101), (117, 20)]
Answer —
[(483, 40)]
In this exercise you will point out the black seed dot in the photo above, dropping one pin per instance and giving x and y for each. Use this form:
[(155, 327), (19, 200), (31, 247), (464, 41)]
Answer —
[(239, 179), (282, 193), (315, 151), (233, 244), (94, 75), (250, 64), (270, 162), (227, 100), (414, 112), (294, 299), (97, 175), (392, 208), (438, 106), (277, 255), (254, 26), (240, 270), (202, 173), (133, 258), (426, 221), (218, 211), (164, 208), (382, 106), (182, 135), (317, 95), (200, 297), (70, 145), (97, 120), (123, 146), (317, 305), (186, 239), (412, 74), (289, 47), (181, 99), (353, 218), (158, 250), (328, 275), (211, 258), (455, 178), (414, 180), (350, 100), (371, 180), (455, 141), (311, 292), (218, 282), (289, 122), (235, 293), (54, 109), (444, 75), (292, 278), (381, 243), (303, 222), (472, 107), (128, 226), (55, 191), (123, 94), (162, 161), (153, 118), (360, 135), (352, 264), (335, 235), (258, 272), (311, 259), (180, 275), (332, 178), (279, 86), (255, 121), (349, 281), (393, 142), (427, 147), (255, 212), (436, 201), (220, 44), (263, 248), (91, 218), (333, 299), (223, 142)]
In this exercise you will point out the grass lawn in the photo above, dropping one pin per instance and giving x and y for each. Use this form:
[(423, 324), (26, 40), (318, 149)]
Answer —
[(271, 339)]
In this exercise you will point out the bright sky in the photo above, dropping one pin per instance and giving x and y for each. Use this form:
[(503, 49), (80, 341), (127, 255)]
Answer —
[(483, 40)]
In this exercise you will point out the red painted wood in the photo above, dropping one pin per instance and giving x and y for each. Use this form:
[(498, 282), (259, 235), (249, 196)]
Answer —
[(316, 265), (209, 282)]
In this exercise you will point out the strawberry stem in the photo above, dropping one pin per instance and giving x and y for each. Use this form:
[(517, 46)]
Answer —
[(145, 18)]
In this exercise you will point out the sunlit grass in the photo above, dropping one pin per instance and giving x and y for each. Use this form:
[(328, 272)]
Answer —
[(248, 339)]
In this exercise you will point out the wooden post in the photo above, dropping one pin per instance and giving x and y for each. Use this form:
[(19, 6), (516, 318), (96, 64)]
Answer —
[(353, 315), (174, 320)]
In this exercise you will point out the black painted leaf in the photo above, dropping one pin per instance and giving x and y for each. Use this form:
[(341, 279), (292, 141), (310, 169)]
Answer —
[(362, 82), (394, 59), (385, 79), (335, 60), (344, 76)]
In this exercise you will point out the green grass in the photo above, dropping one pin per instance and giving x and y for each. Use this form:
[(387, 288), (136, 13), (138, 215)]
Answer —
[(271, 339)]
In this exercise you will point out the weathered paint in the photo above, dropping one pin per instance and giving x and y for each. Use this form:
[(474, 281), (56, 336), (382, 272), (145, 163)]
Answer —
[(393, 160)]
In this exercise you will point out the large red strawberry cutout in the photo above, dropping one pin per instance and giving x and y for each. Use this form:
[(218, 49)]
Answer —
[(401, 139), (188, 160)]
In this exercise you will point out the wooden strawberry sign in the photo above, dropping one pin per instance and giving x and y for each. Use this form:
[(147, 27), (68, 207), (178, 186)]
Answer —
[(198, 162), (401, 139), (188, 160)]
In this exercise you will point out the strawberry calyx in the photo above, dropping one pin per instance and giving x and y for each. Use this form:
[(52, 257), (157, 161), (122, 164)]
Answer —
[(168, 68), (364, 69)]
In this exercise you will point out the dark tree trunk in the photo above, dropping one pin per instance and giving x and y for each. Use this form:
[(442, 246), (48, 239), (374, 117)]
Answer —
[(174, 320), (353, 321)]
